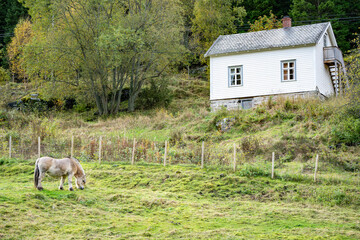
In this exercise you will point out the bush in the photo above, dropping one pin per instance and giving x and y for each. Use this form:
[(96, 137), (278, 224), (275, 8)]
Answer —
[(4, 75), (347, 131), (156, 95)]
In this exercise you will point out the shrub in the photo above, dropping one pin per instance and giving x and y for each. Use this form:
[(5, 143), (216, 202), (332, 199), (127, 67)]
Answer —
[(156, 95), (4, 75), (347, 131)]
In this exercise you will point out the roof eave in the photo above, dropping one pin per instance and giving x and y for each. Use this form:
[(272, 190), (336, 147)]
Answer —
[(208, 51), (260, 50)]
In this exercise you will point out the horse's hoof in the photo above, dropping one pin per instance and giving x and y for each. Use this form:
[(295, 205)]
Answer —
[(71, 189), (40, 188), (61, 188)]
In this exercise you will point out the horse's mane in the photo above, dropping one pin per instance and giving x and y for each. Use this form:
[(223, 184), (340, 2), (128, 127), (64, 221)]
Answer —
[(78, 165)]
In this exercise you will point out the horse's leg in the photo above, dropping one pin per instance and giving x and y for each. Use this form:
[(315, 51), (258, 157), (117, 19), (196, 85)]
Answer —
[(41, 176), (61, 187), (70, 184)]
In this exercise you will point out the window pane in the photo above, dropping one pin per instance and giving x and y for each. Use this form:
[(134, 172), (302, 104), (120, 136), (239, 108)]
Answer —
[(291, 71), (291, 64), (285, 65), (238, 82), (232, 82), (232, 77), (286, 72), (291, 76), (232, 70), (285, 77), (238, 70)]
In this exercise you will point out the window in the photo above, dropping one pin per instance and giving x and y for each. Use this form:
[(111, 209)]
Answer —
[(246, 104), (288, 70), (235, 76)]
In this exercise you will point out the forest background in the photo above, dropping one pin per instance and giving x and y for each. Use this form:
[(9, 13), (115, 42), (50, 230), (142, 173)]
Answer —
[(105, 54)]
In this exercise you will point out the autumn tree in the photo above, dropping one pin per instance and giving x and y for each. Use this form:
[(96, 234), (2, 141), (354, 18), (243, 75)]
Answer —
[(213, 18), (10, 13), (101, 46), (15, 49), (265, 23)]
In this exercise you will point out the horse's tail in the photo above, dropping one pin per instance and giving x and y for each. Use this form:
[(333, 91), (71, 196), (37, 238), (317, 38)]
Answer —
[(36, 174)]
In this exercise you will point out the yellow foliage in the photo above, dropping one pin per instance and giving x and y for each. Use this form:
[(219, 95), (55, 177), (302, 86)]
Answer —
[(15, 50), (265, 23)]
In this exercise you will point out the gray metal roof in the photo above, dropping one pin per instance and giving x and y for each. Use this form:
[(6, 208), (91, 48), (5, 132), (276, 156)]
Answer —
[(276, 38)]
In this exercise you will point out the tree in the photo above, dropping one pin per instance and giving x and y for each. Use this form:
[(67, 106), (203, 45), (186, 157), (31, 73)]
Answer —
[(265, 23), (353, 75), (15, 49), (256, 8), (101, 46), (342, 12), (10, 13), (213, 18)]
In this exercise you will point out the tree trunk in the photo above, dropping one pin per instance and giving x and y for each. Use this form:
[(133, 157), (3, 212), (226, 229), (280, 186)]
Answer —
[(131, 104)]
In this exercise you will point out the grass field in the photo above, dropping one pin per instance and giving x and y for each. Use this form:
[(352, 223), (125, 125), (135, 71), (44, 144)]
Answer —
[(155, 202)]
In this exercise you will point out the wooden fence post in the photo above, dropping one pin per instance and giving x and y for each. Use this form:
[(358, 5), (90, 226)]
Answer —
[(39, 147), (165, 153), (316, 166), (273, 165), (234, 157), (72, 146), (100, 143), (202, 154), (133, 153), (10, 145)]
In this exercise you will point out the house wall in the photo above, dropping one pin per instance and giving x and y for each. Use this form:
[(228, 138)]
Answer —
[(262, 73), (323, 77)]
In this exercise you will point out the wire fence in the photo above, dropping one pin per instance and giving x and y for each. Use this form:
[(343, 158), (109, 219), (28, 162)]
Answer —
[(135, 151), (115, 149)]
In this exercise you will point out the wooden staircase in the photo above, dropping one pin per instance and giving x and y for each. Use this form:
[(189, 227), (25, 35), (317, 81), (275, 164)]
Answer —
[(334, 59)]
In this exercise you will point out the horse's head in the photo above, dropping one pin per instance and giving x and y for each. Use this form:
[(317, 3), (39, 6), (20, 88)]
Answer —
[(80, 182), (79, 175)]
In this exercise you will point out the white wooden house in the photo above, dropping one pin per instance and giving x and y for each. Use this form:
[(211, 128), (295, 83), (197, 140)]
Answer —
[(248, 68)]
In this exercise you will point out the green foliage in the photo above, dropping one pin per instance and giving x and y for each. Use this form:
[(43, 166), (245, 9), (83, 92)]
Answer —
[(99, 47), (302, 10), (213, 18), (347, 131), (257, 8), (10, 12), (265, 23), (4, 76), (157, 95)]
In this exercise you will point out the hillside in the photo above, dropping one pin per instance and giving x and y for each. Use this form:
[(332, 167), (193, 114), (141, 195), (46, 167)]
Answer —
[(295, 129), (181, 200)]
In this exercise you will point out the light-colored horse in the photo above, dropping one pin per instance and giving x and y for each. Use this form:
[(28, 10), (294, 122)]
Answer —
[(59, 168)]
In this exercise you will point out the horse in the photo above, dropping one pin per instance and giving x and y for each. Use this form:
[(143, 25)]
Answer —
[(59, 168)]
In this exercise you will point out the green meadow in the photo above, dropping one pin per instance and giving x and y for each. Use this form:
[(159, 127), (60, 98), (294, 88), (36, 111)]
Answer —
[(150, 201)]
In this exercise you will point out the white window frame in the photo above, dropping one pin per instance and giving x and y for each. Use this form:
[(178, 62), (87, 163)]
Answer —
[(286, 69), (236, 74)]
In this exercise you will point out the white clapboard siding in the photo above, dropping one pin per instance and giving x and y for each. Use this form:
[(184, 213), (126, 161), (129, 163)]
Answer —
[(262, 73)]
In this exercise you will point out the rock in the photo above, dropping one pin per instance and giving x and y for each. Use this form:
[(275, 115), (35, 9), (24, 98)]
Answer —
[(225, 124)]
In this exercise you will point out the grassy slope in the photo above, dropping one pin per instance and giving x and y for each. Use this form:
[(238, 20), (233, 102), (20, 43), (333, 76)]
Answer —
[(150, 201)]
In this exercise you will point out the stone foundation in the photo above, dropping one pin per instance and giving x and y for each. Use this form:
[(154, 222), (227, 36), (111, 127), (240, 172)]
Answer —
[(239, 103)]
